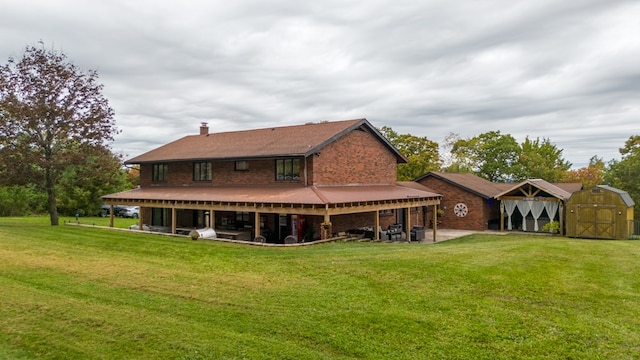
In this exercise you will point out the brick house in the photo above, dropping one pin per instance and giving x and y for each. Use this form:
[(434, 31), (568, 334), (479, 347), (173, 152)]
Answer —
[(299, 182), (468, 201)]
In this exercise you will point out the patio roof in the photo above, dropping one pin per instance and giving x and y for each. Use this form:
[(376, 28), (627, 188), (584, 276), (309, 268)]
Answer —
[(292, 194)]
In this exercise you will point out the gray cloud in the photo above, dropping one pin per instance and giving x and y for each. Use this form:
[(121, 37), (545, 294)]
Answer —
[(560, 70)]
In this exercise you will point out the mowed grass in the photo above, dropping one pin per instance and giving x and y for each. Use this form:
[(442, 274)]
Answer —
[(88, 293)]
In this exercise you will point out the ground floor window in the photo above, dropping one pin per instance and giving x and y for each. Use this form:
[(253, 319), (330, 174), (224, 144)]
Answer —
[(159, 217)]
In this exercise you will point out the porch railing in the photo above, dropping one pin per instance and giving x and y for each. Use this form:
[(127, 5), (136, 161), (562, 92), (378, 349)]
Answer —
[(634, 229)]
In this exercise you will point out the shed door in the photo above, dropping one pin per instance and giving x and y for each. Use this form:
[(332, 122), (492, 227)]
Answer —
[(596, 222)]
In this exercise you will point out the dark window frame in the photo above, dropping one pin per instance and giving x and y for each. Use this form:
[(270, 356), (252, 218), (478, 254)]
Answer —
[(160, 173), (202, 171), (241, 165), (288, 169)]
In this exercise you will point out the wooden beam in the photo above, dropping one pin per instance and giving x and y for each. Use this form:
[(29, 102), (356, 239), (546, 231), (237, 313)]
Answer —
[(501, 216), (174, 220), (257, 224), (407, 220), (376, 226), (435, 222)]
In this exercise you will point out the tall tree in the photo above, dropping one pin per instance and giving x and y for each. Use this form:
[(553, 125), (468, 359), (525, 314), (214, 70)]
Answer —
[(50, 111), (422, 154), (589, 176), (624, 174), (541, 160), (462, 160), (81, 185), (490, 155)]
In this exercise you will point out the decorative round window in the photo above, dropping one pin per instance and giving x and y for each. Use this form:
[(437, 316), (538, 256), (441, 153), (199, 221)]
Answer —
[(460, 210)]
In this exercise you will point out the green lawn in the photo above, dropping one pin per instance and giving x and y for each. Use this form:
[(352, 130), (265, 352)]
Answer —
[(72, 292)]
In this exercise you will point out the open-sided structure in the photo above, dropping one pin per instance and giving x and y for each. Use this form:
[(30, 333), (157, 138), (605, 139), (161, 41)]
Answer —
[(536, 201)]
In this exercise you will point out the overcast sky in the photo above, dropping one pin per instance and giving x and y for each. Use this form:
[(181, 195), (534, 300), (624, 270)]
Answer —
[(564, 70)]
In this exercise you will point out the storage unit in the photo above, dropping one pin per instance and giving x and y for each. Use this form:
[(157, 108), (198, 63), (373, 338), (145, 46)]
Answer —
[(600, 212)]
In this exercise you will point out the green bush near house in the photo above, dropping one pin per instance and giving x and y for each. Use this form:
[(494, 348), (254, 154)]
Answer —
[(552, 227), (89, 293)]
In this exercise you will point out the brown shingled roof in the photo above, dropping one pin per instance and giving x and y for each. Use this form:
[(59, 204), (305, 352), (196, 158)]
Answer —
[(299, 140), (543, 185), (488, 189), (569, 187), (470, 182)]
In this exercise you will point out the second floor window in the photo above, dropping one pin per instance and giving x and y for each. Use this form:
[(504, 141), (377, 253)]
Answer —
[(202, 171), (160, 172), (287, 169), (242, 165)]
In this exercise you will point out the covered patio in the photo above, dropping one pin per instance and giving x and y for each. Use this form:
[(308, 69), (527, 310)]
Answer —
[(537, 202), (273, 213)]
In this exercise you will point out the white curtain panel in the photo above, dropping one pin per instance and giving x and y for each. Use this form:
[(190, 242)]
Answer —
[(524, 207), (536, 210), (552, 209), (509, 206)]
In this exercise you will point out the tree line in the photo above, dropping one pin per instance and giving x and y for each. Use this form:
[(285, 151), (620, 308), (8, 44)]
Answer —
[(500, 158), (56, 128)]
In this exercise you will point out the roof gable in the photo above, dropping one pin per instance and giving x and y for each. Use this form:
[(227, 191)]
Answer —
[(297, 140), (543, 185)]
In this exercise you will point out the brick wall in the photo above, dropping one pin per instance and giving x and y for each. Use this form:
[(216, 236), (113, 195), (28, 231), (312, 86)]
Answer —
[(355, 158), (260, 172), (480, 210)]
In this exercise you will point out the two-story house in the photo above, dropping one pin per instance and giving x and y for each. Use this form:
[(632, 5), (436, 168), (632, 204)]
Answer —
[(307, 182)]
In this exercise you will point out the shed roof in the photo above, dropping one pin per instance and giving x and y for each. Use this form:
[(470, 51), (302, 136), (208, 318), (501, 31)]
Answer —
[(569, 187), (626, 198), (469, 182), (272, 142)]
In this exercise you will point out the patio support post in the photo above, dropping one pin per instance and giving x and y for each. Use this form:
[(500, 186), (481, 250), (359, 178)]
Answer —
[(376, 225), (407, 229), (435, 221), (212, 218), (326, 228), (140, 217), (257, 225), (561, 206), (501, 216), (173, 220)]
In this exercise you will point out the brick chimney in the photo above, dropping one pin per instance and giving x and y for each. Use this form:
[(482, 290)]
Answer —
[(204, 128)]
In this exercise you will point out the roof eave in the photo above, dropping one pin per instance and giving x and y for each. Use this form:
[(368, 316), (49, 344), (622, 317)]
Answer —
[(451, 182)]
